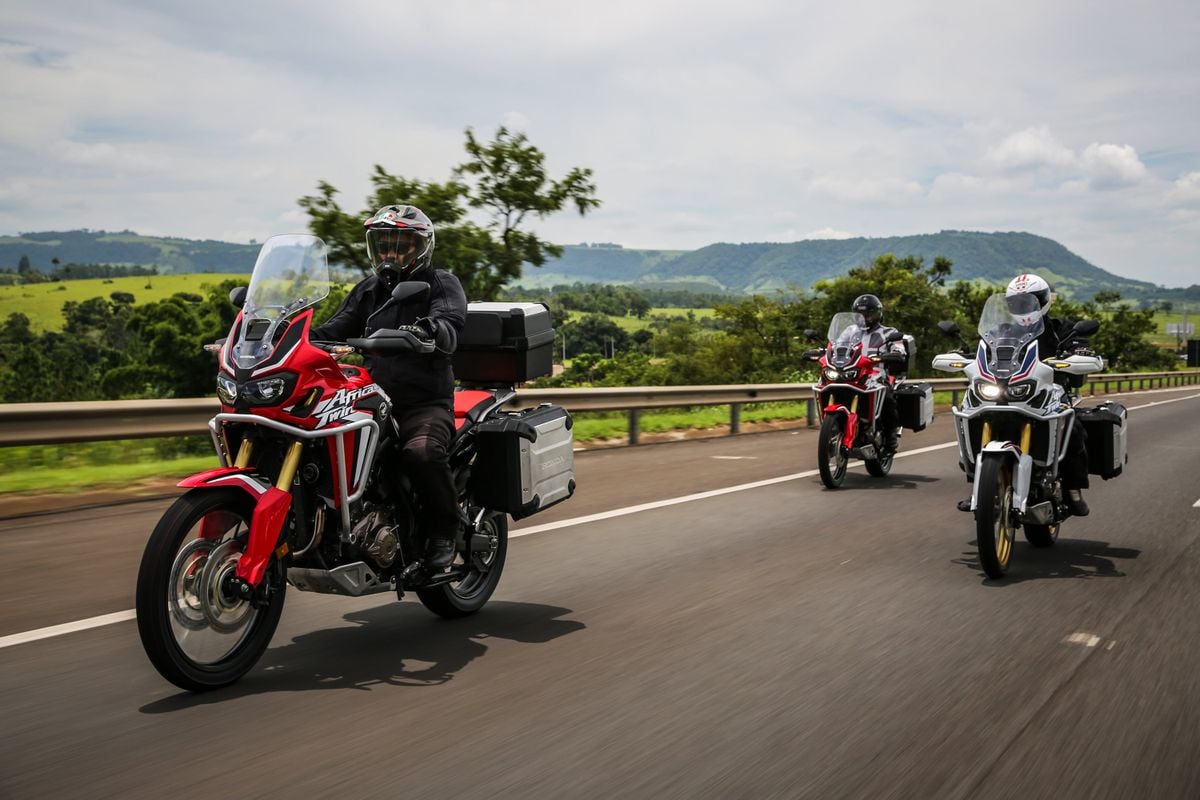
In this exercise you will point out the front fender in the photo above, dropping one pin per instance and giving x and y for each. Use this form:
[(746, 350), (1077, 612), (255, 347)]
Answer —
[(1022, 473), (270, 510)]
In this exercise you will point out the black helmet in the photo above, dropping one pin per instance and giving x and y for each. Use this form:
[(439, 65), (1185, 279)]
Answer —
[(399, 240), (871, 309)]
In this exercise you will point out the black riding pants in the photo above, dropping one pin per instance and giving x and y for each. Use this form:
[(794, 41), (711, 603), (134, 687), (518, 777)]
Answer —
[(425, 435), (1074, 467)]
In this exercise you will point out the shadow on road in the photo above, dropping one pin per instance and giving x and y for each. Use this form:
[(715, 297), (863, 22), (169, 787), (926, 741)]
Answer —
[(857, 481), (1068, 558), (392, 645)]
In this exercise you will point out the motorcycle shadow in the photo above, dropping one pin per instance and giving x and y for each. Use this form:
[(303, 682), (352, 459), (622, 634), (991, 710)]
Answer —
[(892, 481), (390, 645), (1068, 558)]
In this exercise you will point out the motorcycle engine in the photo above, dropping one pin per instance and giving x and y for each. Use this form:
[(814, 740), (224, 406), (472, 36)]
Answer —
[(378, 539)]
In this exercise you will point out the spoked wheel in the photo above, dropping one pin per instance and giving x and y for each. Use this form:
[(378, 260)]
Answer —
[(881, 466), (831, 455), (1041, 535), (484, 561), (196, 632), (994, 525)]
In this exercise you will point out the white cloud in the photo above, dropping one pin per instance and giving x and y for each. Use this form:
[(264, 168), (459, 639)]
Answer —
[(514, 121), (1186, 188), (1112, 166), (1031, 148), (827, 233)]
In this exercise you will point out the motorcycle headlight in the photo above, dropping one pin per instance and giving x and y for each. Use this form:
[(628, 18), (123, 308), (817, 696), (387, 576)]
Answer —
[(227, 389), (831, 374), (988, 390), (850, 374), (267, 390), (1019, 391)]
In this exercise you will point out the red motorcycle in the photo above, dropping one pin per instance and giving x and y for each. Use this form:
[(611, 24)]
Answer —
[(310, 491), (853, 383)]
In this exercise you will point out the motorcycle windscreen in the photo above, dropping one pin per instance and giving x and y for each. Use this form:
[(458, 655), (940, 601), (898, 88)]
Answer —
[(1007, 326), (845, 334), (291, 274)]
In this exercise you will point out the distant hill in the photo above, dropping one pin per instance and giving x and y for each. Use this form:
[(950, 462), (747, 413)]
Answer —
[(759, 267), (126, 247)]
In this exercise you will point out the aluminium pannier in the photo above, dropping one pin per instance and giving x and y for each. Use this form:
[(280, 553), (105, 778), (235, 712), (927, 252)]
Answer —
[(525, 461), (1107, 427), (914, 405)]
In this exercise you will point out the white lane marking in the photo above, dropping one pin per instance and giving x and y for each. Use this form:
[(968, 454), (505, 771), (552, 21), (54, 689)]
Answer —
[(691, 498), (121, 616), (66, 627), (1111, 645), (1196, 504), (1084, 638), (844, 563), (735, 458), (1163, 402)]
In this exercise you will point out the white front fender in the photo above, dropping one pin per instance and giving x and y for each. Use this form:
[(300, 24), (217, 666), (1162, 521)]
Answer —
[(1022, 474)]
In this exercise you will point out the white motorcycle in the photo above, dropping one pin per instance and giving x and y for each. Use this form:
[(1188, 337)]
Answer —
[(1014, 424)]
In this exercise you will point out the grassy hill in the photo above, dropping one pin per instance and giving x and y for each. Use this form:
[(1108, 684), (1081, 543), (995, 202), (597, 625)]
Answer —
[(126, 247)]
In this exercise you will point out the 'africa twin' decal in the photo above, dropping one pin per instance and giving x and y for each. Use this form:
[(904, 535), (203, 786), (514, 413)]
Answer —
[(341, 405)]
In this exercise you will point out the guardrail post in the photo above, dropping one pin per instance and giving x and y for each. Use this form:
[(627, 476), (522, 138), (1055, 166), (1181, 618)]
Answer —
[(635, 415), (735, 418), (810, 413), (1092, 388), (954, 397)]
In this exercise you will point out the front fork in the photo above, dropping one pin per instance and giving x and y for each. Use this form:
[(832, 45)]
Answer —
[(269, 515), (1022, 474)]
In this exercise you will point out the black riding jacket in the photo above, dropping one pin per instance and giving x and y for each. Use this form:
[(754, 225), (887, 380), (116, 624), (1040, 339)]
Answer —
[(410, 379)]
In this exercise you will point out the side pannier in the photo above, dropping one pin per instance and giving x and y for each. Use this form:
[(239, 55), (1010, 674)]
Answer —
[(1107, 427), (914, 405), (525, 461)]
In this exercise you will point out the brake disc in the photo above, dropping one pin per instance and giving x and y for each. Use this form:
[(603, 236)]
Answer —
[(223, 612)]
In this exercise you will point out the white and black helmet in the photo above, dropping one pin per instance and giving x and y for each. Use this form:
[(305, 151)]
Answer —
[(1028, 285)]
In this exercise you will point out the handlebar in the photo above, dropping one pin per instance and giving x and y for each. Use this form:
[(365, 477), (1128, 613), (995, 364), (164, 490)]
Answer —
[(393, 340)]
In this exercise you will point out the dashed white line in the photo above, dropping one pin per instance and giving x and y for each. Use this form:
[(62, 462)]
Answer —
[(735, 458), (1084, 638)]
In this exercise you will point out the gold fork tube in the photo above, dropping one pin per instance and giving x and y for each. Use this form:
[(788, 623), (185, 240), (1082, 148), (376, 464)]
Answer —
[(1026, 436), (245, 451), (987, 434), (291, 463)]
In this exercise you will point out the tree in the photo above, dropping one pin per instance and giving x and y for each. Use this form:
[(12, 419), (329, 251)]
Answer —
[(504, 178), (23, 266)]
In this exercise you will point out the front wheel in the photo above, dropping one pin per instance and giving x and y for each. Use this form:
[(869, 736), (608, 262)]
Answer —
[(831, 454), (994, 528), (195, 631), (484, 562)]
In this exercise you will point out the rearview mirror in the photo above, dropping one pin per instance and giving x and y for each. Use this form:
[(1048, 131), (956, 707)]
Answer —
[(893, 336), (237, 296), (408, 291), (810, 334), (1085, 327), (948, 327)]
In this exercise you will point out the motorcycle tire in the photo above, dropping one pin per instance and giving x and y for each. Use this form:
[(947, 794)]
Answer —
[(881, 466), (168, 616), (831, 455), (1041, 535), (455, 600), (994, 528)]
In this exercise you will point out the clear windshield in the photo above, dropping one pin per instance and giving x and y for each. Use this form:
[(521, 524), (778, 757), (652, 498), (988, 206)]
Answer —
[(291, 274), (1007, 325)]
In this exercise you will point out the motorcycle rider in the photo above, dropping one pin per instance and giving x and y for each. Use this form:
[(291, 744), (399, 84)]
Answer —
[(875, 334), (400, 241), (1053, 340)]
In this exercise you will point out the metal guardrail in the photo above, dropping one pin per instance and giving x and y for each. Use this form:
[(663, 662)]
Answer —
[(59, 423)]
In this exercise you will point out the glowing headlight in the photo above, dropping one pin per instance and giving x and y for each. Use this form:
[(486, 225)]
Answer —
[(266, 390), (988, 391), (831, 374), (850, 374), (227, 390)]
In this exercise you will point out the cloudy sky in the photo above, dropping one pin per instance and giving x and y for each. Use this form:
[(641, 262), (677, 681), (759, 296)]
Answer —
[(750, 121)]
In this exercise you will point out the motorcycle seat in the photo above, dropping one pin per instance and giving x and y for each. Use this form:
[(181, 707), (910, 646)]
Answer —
[(470, 405)]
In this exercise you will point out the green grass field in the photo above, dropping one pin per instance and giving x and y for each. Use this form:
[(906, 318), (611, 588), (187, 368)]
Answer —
[(43, 302), (632, 324)]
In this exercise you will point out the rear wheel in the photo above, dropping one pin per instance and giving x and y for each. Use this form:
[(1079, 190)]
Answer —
[(484, 561), (197, 633), (1041, 535), (994, 528), (831, 454), (879, 467)]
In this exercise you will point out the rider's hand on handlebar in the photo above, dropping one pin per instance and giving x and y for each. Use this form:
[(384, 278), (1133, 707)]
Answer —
[(418, 330)]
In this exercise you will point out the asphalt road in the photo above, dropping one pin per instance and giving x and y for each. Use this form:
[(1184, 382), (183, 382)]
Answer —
[(780, 641)]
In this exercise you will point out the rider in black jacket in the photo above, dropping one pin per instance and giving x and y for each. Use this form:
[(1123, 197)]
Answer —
[(400, 242)]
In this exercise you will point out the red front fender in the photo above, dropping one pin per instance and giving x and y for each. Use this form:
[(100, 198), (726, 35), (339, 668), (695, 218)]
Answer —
[(270, 510), (850, 429)]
